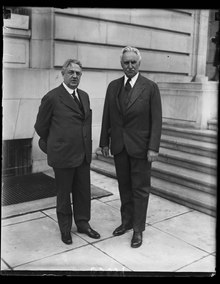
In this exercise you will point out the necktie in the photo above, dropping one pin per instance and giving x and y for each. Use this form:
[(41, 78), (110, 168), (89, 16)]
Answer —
[(124, 96), (127, 89), (76, 99), (128, 85)]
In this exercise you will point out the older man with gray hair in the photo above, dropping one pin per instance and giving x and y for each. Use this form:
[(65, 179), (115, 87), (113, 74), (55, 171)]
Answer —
[(131, 129)]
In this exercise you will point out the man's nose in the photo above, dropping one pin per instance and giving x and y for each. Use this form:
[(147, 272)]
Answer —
[(130, 65)]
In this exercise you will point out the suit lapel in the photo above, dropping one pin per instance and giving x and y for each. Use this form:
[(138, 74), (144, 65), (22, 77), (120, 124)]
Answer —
[(136, 91), (68, 101), (119, 86), (84, 102)]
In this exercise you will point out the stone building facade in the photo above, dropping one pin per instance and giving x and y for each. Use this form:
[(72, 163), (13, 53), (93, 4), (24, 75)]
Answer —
[(175, 48)]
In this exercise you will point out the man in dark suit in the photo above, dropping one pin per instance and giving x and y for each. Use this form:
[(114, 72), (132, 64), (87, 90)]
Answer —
[(131, 127), (64, 126)]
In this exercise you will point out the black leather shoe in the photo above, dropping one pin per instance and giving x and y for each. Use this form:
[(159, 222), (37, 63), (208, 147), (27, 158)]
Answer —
[(136, 240), (121, 230), (66, 238), (89, 232)]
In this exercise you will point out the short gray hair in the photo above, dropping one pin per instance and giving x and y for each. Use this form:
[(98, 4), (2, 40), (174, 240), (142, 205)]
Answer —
[(68, 62), (130, 49)]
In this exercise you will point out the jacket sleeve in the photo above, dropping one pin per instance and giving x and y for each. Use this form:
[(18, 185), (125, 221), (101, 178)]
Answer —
[(105, 129), (44, 116), (156, 119)]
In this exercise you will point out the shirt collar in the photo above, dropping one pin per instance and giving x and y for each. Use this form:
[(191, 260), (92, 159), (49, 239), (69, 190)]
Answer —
[(133, 79), (70, 91)]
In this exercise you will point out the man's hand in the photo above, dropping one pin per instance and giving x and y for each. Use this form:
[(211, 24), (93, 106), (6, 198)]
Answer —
[(152, 156), (105, 151)]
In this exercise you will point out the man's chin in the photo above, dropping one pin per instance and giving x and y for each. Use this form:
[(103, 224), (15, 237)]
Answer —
[(130, 74), (74, 86)]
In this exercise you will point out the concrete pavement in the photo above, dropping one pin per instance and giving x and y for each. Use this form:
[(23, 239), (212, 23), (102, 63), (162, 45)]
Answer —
[(176, 239)]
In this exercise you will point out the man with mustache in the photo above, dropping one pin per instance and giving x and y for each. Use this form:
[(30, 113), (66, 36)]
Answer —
[(64, 126), (131, 128)]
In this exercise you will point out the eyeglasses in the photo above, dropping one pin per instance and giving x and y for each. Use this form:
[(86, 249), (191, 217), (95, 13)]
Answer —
[(70, 73)]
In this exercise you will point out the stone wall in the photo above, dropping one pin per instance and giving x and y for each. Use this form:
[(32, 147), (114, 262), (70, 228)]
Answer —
[(34, 53)]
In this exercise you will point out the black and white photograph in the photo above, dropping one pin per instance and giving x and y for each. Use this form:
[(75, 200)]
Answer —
[(109, 141)]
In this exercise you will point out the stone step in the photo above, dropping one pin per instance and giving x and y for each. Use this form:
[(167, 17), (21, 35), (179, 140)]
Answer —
[(188, 160), (180, 159), (213, 124), (179, 175), (109, 159), (186, 177), (198, 200), (202, 148), (102, 167), (206, 135)]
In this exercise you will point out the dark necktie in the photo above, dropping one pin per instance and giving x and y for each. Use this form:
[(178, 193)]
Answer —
[(128, 85), (76, 99), (124, 96), (127, 89)]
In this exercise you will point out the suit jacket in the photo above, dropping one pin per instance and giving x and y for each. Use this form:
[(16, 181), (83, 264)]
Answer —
[(64, 128), (139, 129), (43, 145)]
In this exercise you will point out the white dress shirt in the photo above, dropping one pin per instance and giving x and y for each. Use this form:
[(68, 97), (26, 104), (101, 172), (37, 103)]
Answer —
[(70, 91), (133, 80)]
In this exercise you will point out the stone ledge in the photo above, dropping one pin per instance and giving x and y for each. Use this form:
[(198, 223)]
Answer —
[(17, 21)]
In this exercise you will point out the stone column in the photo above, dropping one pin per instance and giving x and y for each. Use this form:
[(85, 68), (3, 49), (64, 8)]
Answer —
[(41, 44), (200, 45)]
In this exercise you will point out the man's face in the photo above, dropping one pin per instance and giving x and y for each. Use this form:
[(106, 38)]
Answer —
[(130, 63), (72, 76)]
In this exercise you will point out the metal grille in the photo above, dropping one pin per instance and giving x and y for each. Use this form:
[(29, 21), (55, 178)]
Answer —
[(19, 189), (16, 157)]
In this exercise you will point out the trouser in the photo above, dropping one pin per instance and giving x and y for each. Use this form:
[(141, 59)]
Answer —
[(134, 188), (76, 181)]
